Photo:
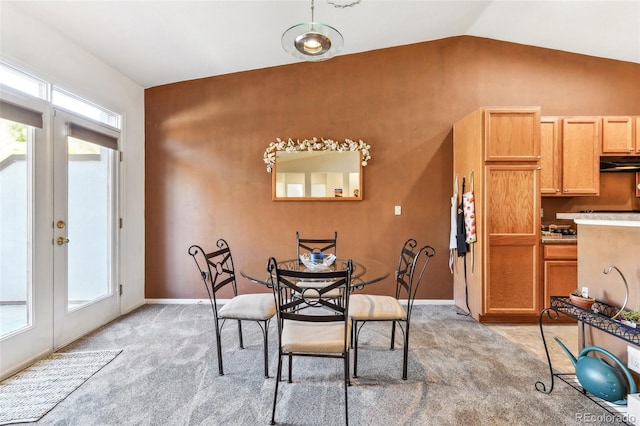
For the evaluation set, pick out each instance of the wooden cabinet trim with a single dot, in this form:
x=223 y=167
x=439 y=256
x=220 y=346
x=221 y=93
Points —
x=636 y=130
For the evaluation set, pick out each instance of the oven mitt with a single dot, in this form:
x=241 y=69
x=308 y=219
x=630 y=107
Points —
x=469 y=209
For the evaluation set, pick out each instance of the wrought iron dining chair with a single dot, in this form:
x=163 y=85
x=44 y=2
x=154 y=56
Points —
x=217 y=272
x=308 y=245
x=395 y=309
x=324 y=245
x=311 y=324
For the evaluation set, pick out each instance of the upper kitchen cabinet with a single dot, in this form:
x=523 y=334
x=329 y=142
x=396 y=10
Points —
x=620 y=136
x=581 y=156
x=551 y=156
x=512 y=134
x=569 y=165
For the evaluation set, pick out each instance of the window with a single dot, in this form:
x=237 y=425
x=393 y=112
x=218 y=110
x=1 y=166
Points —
x=23 y=82
x=85 y=108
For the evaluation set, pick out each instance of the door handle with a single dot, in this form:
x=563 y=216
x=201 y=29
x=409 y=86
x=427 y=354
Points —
x=62 y=241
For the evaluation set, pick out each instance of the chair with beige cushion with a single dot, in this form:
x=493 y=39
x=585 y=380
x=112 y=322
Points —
x=217 y=272
x=395 y=309
x=311 y=324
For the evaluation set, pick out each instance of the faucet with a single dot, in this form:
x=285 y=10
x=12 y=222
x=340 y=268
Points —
x=626 y=288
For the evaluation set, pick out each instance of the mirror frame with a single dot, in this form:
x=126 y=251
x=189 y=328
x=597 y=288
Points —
x=315 y=145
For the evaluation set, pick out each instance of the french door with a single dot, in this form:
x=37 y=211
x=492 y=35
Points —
x=85 y=219
x=26 y=286
x=59 y=233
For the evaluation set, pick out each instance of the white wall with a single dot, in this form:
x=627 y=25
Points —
x=31 y=47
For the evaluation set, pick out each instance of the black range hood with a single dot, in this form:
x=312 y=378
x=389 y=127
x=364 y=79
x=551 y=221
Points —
x=620 y=164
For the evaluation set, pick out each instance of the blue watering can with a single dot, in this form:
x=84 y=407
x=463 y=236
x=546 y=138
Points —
x=598 y=377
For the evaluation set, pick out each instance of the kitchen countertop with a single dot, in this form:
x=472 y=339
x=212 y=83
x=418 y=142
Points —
x=605 y=219
x=563 y=239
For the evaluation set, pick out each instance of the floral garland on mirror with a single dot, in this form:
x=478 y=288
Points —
x=314 y=144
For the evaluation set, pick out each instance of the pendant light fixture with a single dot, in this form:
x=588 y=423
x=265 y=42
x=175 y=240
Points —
x=312 y=41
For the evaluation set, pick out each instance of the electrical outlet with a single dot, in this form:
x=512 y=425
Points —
x=398 y=210
x=633 y=358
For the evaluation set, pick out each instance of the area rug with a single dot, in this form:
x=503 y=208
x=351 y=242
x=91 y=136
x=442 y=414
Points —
x=32 y=393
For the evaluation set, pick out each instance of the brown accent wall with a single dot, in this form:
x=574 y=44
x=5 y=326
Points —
x=205 y=138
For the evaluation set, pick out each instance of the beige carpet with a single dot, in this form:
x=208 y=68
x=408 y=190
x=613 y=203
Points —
x=32 y=393
x=460 y=373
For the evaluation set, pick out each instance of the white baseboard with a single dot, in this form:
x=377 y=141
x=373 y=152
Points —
x=180 y=301
x=433 y=302
x=200 y=301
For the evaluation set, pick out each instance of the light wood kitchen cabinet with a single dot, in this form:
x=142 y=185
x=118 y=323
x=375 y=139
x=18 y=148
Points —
x=550 y=156
x=619 y=136
x=569 y=164
x=581 y=156
x=512 y=135
x=512 y=226
x=560 y=270
x=502 y=281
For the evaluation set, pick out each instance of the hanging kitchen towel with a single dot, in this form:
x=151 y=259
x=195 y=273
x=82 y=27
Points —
x=461 y=234
x=469 y=207
x=453 y=233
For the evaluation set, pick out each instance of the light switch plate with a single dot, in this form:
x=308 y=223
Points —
x=633 y=358
x=398 y=210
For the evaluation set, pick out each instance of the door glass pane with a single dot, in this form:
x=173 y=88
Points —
x=90 y=222
x=15 y=232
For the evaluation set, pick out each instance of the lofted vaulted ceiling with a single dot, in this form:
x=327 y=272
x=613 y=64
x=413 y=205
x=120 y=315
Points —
x=159 y=42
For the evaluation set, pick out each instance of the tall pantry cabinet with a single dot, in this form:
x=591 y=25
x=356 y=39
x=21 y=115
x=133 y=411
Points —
x=501 y=148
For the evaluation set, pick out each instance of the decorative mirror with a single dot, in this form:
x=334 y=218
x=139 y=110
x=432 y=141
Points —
x=316 y=169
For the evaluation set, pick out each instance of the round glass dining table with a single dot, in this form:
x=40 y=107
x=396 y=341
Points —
x=365 y=271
